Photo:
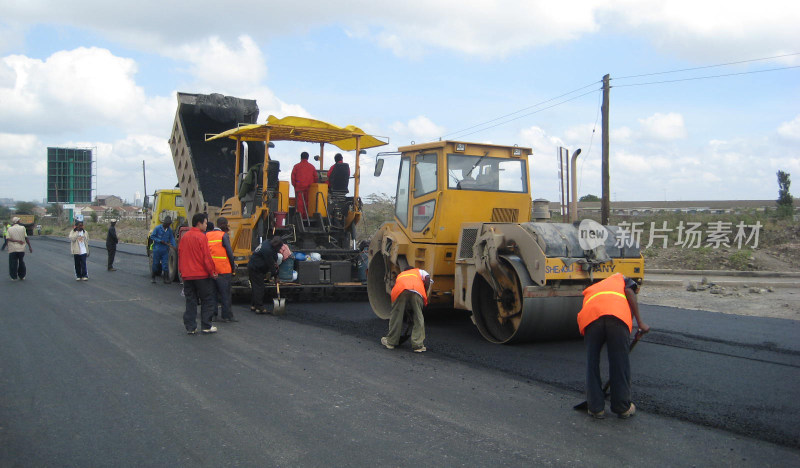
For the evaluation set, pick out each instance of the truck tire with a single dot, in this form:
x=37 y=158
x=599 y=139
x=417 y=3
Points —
x=172 y=263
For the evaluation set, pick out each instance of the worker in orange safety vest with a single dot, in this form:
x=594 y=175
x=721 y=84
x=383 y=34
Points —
x=219 y=243
x=609 y=307
x=409 y=291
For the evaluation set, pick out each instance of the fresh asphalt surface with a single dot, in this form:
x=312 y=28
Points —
x=101 y=373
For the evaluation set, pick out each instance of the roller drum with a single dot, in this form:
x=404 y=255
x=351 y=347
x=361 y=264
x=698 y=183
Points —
x=379 y=298
x=541 y=318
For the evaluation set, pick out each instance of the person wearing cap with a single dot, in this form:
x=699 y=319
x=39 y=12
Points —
x=111 y=244
x=162 y=238
x=609 y=307
x=303 y=175
x=410 y=291
x=339 y=175
x=79 y=247
x=17 y=237
x=219 y=243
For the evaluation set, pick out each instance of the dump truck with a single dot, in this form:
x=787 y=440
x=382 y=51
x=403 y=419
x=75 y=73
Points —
x=463 y=213
x=166 y=202
x=220 y=153
x=28 y=221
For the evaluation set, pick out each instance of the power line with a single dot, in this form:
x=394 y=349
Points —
x=709 y=66
x=706 y=77
x=482 y=126
x=526 y=115
x=517 y=112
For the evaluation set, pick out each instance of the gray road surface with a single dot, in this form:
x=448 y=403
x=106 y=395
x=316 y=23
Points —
x=101 y=373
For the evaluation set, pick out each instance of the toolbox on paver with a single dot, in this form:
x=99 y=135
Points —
x=340 y=271
x=307 y=272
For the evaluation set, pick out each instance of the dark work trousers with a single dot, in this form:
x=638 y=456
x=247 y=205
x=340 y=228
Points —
x=222 y=291
x=16 y=265
x=614 y=333
x=204 y=290
x=112 y=252
x=257 y=286
x=80 y=266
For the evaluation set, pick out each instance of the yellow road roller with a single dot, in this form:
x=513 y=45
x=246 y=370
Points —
x=463 y=213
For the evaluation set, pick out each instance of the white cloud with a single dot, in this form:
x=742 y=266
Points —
x=790 y=130
x=711 y=29
x=543 y=144
x=71 y=91
x=621 y=135
x=232 y=68
x=419 y=129
x=664 y=127
x=17 y=154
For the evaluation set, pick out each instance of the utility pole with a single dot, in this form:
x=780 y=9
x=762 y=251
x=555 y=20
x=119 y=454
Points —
x=605 y=205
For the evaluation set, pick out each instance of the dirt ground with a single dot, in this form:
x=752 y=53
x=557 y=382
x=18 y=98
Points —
x=776 y=302
x=782 y=255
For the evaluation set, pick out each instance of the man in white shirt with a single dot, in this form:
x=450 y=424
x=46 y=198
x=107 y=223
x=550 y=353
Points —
x=17 y=238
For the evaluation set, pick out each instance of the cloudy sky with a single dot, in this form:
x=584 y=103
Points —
x=719 y=125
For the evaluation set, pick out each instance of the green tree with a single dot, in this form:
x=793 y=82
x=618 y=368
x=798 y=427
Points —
x=5 y=212
x=24 y=207
x=589 y=198
x=378 y=208
x=93 y=216
x=785 y=200
x=56 y=210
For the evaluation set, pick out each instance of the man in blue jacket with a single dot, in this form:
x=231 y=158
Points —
x=162 y=238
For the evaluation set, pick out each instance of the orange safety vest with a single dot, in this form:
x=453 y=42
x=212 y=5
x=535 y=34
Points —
x=409 y=280
x=218 y=253
x=606 y=297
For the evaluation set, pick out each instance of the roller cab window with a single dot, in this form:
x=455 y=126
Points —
x=425 y=174
x=401 y=203
x=485 y=174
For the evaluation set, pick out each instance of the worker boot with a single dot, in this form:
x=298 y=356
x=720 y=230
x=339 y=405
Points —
x=166 y=278
x=153 y=278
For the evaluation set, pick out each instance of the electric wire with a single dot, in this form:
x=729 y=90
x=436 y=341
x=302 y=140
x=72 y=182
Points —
x=706 y=77
x=528 y=114
x=708 y=66
x=518 y=111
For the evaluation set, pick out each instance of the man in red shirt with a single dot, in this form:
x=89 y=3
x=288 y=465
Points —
x=198 y=272
x=303 y=175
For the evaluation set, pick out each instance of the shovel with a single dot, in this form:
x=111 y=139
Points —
x=278 y=305
x=585 y=405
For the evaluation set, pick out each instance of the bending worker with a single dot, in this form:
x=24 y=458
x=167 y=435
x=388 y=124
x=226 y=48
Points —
x=303 y=175
x=409 y=291
x=609 y=307
x=162 y=238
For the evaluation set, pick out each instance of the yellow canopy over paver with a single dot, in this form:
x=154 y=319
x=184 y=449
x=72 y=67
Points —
x=305 y=130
